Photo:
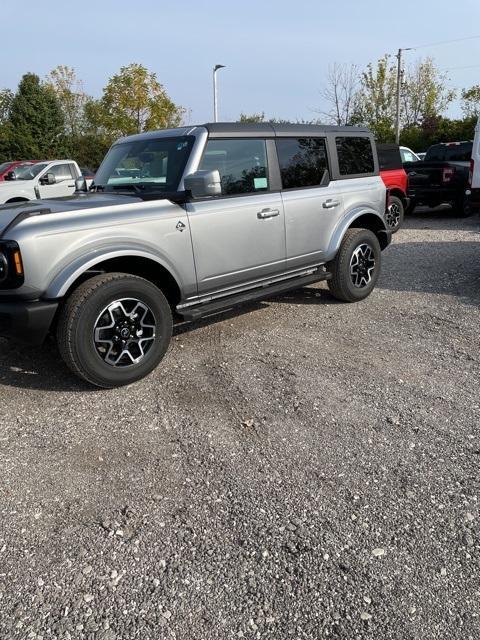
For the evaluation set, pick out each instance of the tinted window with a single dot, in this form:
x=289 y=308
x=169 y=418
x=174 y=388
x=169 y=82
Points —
x=242 y=164
x=61 y=172
x=303 y=161
x=355 y=156
x=389 y=157
x=450 y=152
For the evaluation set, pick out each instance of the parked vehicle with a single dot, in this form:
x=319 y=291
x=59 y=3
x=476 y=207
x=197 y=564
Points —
x=408 y=155
x=192 y=220
x=474 y=174
x=88 y=174
x=46 y=179
x=443 y=177
x=395 y=179
x=7 y=168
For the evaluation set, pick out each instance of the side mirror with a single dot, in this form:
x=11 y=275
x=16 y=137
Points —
x=11 y=175
x=203 y=183
x=81 y=184
x=48 y=178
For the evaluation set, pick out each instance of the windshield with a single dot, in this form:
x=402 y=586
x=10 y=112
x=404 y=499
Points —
x=456 y=152
x=30 y=171
x=4 y=166
x=153 y=164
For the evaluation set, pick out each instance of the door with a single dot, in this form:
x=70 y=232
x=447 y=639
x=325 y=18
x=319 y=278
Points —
x=238 y=237
x=64 y=181
x=312 y=202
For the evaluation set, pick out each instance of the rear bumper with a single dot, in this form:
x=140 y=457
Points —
x=435 y=195
x=28 y=321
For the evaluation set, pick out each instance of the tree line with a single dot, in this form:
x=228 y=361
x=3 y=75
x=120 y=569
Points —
x=55 y=117
x=355 y=97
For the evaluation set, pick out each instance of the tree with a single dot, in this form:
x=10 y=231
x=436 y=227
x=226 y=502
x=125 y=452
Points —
x=6 y=97
x=471 y=101
x=376 y=99
x=424 y=94
x=35 y=120
x=71 y=97
x=134 y=101
x=340 y=93
x=252 y=117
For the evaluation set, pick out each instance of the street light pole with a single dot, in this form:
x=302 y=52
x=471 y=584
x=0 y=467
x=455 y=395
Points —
x=215 y=97
x=399 y=89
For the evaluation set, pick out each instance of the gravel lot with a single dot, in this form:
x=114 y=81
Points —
x=299 y=469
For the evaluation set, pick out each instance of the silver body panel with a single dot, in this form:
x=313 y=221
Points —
x=223 y=244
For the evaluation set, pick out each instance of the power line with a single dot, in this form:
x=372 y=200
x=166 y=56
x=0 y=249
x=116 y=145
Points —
x=435 y=44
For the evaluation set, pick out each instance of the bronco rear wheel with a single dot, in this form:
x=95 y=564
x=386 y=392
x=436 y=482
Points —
x=356 y=267
x=114 y=329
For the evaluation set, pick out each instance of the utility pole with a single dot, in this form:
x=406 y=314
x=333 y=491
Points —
x=215 y=98
x=399 y=90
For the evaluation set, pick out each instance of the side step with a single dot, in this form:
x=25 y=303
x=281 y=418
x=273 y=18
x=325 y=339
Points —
x=218 y=306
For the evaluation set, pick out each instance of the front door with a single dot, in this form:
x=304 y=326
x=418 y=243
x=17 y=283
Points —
x=64 y=182
x=238 y=237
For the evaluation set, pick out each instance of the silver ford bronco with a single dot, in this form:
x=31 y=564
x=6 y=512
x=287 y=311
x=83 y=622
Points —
x=186 y=223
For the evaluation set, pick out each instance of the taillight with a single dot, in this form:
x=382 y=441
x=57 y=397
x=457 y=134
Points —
x=470 y=173
x=447 y=174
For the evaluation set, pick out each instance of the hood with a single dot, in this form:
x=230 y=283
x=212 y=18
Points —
x=9 y=212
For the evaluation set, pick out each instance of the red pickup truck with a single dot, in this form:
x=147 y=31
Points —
x=396 y=180
x=7 y=167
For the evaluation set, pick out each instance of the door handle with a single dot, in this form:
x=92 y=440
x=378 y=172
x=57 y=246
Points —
x=268 y=213
x=330 y=204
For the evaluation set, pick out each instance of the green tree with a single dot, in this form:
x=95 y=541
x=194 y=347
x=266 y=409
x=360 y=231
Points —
x=72 y=98
x=134 y=101
x=6 y=97
x=35 y=120
x=375 y=100
x=471 y=101
x=252 y=118
x=424 y=94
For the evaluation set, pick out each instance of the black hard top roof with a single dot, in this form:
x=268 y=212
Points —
x=262 y=129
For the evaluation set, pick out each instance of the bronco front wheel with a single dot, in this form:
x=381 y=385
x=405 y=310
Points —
x=114 y=329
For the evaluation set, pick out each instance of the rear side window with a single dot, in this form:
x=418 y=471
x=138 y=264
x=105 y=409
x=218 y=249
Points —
x=303 y=161
x=242 y=164
x=61 y=172
x=389 y=157
x=355 y=155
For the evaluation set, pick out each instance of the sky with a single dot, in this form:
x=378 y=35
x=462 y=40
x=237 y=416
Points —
x=277 y=54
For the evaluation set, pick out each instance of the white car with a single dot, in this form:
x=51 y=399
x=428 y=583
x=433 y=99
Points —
x=408 y=155
x=474 y=177
x=49 y=179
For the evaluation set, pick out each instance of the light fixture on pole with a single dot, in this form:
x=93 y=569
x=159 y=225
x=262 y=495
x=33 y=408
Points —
x=215 y=109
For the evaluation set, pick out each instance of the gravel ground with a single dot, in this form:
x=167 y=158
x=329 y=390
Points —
x=299 y=469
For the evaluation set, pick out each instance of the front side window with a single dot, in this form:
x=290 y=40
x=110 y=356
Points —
x=150 y=164
x=242 y=164
x=355 y=155
x=303 y=161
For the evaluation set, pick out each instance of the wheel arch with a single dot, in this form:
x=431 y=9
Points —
x=363 y=219
x=398 y=193
x=17 y=199
x=130 y=262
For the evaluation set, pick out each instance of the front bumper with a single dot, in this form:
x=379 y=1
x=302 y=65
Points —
x=28 y=321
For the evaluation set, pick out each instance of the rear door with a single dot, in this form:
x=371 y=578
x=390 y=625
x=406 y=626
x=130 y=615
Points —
x=357 y=166
x=238 y=237
x=65 y=174
x=312 y=201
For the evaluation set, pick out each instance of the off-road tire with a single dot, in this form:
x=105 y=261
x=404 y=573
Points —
x=341 y=284
x=462 y=207
x=77 y=321
x=399 y=214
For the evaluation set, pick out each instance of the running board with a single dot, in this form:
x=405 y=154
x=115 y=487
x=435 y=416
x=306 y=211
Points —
x=223 y=304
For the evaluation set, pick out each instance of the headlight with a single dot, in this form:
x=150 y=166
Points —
x=11 y=265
